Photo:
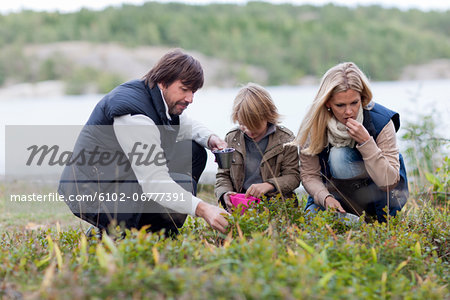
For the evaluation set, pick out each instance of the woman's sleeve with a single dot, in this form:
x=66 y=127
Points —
x=381 y=158
x=311 y=178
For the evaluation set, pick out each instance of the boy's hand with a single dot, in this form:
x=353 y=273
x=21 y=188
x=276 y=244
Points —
x=259 y=189
x=226 y=198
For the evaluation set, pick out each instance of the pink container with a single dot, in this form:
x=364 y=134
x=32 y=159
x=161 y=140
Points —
x=240 y=199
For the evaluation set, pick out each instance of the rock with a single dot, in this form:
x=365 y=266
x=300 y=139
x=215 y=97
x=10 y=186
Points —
x=133 y=63
x=435 y=69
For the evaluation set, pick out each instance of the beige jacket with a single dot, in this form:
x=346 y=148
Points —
x=381 y=159
x=279 y=165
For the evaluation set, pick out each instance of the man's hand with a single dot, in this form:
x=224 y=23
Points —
x=357 y=131
x=216 y=143
x=258 y=189
x=332 y=203
x=213 y=215
x=226 y=198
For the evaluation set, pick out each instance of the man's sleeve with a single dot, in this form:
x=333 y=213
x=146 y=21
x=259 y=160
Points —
x=195 y=130
x=132 y=130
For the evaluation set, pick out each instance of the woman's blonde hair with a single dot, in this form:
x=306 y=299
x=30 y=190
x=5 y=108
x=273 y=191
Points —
x=252 y=106
x=312 y=135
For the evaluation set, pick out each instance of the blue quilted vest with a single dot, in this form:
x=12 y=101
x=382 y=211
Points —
x=374 y=121
x=133 y=97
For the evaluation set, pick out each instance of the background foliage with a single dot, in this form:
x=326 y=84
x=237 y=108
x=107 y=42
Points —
x=286 y=40
x=427 y=159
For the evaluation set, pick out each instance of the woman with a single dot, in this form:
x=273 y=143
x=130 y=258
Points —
x=349 y=159
x=263 y=163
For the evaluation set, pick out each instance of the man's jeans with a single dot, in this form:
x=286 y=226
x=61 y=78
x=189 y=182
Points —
x=344 y=163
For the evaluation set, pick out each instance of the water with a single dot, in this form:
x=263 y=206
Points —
x=213 y=108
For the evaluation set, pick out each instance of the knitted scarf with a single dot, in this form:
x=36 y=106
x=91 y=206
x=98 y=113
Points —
x=337 y=132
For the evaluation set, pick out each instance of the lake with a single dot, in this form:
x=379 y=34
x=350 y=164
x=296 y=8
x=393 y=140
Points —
x=213 y=107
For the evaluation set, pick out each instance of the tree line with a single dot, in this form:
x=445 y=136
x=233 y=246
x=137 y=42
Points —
x=288 y=41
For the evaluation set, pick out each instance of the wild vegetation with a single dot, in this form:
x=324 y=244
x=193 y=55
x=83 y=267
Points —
x=287 y=41
x=427 y=157
x=271 y=252
x=274 y=250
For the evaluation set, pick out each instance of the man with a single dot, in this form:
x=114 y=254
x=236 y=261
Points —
x=134 y=154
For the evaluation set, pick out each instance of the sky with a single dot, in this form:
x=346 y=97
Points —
x=74 y=5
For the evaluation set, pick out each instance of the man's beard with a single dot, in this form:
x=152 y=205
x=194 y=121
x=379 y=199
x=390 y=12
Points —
x=173 y=110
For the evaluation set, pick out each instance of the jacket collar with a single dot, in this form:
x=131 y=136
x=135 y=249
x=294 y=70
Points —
x=161 y=107
x=274 y=145
x=270 y=129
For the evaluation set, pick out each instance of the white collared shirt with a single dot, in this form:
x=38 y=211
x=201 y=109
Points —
x=189 y=129
x=165 y=105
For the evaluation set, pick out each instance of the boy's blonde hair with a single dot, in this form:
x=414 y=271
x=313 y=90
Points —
x=252 y=106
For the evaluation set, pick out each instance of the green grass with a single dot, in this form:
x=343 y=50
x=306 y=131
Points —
x=272 y=251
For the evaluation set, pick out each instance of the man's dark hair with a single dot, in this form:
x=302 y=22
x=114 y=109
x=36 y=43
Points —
x=176 y=65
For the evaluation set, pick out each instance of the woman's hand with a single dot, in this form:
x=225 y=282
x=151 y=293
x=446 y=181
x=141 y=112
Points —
x=332 y=203
x=357 y=131
x=226 y=198
x=258 y=189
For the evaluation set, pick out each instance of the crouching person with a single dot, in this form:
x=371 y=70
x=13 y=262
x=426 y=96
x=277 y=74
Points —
x=138 y=158
x=349 y=159
x=265 y=162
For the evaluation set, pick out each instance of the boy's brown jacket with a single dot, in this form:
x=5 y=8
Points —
x=279 y=165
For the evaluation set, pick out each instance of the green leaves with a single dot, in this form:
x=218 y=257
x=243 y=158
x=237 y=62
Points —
x=305 y=246
x=283 y=42
x=274 y=250
x=427 y=160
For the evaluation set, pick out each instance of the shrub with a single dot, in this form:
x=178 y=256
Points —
x=272 y=251
x=426 y=154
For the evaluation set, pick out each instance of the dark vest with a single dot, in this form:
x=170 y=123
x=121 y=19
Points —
x=88 y=176
x=374 y=121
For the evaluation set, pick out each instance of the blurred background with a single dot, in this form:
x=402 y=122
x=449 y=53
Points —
x=58 y=58
x=90 y=49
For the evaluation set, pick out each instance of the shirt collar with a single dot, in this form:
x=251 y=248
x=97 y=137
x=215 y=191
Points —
x=271 y=128
x=165 y=105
